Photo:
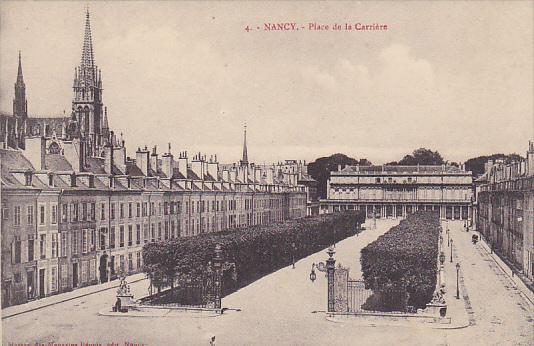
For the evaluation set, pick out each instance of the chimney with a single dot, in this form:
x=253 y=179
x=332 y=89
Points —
x=197 y=166
x=108 y=159
x=182 y=163
x=213 y=168
x=154 y=164
x=167 y=164
x=226 y=175
x=119 y=158
x=141 y=160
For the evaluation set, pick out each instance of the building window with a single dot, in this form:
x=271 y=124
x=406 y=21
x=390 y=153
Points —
x=138 y=234
x=121 y=210
x=166 y=230
x=16 y=216
x=112 y=216
x=92 y=269
x=130 y=262
x=144 y=208
x=31 y=249
x=84 y=241
x=130 y=234
x=92 y=211
x=65 y=212
x=102 y=238
x=130 y=213
x=103 y=211
x=122 y=262
x=145 y=233
x=84 y=211
x=30 y=215
x=159 y=230
x=138 y=255
x=75 y=242
x=42 y=245
x=54 y=245
x=63 y=244
x=54 y=214
x=138 y=210
x=152 y=232
x=74 y=212
x=152 y=209
x=93 y=239
x=121 y=236
x=112 y=238
x=41 y=214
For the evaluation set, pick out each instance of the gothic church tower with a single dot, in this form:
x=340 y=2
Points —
x=87 y=121
x=20 y=109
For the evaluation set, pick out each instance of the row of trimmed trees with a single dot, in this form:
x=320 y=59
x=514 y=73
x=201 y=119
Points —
x=401 y=265
x=256 y=251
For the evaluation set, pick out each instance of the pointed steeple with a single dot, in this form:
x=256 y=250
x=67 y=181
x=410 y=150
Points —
x=244 y=160
x=87 y=50
x=19 y=103
x=20 y=79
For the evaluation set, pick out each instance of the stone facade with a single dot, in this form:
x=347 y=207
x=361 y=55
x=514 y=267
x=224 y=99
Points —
x=505 y=211
x=395 y=191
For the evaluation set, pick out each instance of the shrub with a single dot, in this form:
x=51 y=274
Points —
x=255 y=250
x=404 y=258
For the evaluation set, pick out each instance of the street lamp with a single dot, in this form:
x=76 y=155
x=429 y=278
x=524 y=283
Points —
x=313 y=276
x=457 y=281
x=451 y=250
x=448 y=240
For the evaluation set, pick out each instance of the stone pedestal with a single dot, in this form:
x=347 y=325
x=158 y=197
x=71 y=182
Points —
x=436 y=309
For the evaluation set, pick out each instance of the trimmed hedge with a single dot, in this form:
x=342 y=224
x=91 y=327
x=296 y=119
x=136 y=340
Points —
x=256 y=250
x=404 y=258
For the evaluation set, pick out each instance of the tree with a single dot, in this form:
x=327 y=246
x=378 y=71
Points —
x=422 y=156
x=320 y=169
x=476 y=164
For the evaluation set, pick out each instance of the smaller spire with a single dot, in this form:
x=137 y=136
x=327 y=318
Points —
x=244 y=161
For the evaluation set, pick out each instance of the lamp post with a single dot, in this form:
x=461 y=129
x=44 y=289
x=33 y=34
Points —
x=457 y=281
x=451 y=250
x=329 y=269
x=448 y=239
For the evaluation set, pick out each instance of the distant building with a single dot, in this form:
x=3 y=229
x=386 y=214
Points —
x=395 y=191
x=505 y=210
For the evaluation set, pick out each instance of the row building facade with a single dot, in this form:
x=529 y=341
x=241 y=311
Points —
x=76 y=211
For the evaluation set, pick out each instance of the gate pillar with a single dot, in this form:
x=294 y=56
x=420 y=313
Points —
x=330 y=269
x=217 y=269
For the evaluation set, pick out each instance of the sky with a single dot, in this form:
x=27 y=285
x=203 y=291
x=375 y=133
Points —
x=456 y=77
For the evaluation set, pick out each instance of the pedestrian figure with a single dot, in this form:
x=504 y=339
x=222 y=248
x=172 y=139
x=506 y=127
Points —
x=212 y=341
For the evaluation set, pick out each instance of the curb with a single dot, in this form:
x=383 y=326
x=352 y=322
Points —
x=66 y=300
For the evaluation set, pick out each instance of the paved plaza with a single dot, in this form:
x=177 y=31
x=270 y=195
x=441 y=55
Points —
x=285 y=308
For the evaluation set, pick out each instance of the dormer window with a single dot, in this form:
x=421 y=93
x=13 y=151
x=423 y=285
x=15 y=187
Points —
x=50 y=180
x=28 y=178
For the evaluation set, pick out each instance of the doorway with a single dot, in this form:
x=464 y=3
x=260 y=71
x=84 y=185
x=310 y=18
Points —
x=103 y=268
x=41 y=283
x=74 y=275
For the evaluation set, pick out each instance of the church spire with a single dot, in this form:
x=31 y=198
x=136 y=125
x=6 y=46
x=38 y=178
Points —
x=19 y=103
x=20 y=79
x=244 y=161
x=87 y=50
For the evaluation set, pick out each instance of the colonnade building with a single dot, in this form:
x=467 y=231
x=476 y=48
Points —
x=396 y=191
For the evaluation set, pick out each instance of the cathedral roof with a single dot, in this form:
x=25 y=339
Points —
x=57 y=162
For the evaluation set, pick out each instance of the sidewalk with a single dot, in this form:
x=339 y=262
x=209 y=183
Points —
x=458 y=309
x=63 y=297
x=517 y=280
